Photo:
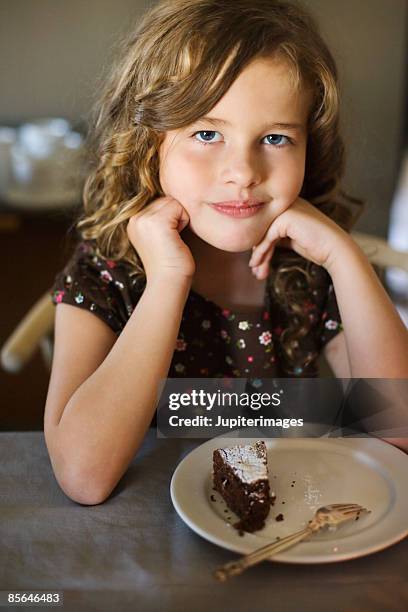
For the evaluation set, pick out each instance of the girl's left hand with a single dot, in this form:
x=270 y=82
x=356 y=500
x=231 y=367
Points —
x=306 y=230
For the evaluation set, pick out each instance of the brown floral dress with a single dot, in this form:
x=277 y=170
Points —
x=212 y=341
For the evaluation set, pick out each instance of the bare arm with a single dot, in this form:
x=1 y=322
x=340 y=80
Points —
x=103 y=393
x=375 y=337
x=335 y=353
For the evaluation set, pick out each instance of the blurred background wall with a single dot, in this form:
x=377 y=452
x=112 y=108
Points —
x=54 y=54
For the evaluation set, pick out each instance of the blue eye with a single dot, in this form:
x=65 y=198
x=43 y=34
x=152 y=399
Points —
x=278 y=140
x=206 y=135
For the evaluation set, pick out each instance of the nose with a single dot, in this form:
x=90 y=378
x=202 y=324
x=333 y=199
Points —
x=242 y=168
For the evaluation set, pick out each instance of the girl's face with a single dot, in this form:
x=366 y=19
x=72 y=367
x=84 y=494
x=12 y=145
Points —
x=251 y=145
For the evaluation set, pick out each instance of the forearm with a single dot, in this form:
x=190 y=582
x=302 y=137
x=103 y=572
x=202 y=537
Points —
x=376 y=338
x=106 y=419
x=401 y=443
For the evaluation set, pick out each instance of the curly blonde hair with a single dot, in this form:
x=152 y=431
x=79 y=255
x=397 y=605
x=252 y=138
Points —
x=178 y=63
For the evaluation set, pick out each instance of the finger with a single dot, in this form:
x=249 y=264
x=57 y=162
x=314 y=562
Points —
x=259 y=252
x=270 y=239
x=263 y=251
x=184 y=220
x=266 y=264
x=262 y=269
x=261 y=272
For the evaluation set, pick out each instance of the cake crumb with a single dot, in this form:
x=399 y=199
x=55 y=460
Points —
x=280 y=517
x=212 y=498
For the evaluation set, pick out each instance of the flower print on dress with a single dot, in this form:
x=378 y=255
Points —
x=106 y=276
x=58 y=295
x=241 y=344
x=85 y=248
x=331 y=325
x=244 y=325
x=179 y=367
x=120 y=285
x=111 y=264
x=68 y=281
x=181 y=344
x=206 y=324
x=265 y=338
x=308 y=306
x=225 y=336
x=79 y=298
x=229 y=360
x=228 y=314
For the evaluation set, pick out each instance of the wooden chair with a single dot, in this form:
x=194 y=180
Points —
x=34 y=331
x=36 y=328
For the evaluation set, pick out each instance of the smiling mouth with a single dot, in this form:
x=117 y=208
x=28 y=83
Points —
x=239 y=204
x=239 y=212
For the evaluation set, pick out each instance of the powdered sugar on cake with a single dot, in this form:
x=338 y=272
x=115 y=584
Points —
x=248 y=462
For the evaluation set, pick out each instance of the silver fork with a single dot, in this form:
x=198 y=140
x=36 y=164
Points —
x=327 y=516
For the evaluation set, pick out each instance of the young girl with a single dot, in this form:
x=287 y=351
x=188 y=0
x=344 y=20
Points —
x=213 y=242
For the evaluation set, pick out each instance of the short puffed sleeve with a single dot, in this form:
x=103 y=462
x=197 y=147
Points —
x=104 y=287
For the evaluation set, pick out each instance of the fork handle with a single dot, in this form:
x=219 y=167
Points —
x=233 y=568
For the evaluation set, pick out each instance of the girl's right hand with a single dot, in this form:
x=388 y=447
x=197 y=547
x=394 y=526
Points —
x=155 y=234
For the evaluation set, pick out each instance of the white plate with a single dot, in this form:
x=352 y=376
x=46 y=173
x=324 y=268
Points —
x=365 y=471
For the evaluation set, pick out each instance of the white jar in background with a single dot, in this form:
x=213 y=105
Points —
x=40 y=137
x=48 y=166
x=8 y=137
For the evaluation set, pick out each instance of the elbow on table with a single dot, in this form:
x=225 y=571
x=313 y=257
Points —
x=84 y=490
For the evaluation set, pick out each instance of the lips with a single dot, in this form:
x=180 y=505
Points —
x=239 y=203
x=239 y=210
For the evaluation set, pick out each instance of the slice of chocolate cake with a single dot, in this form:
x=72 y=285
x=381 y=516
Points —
x=241 y=476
